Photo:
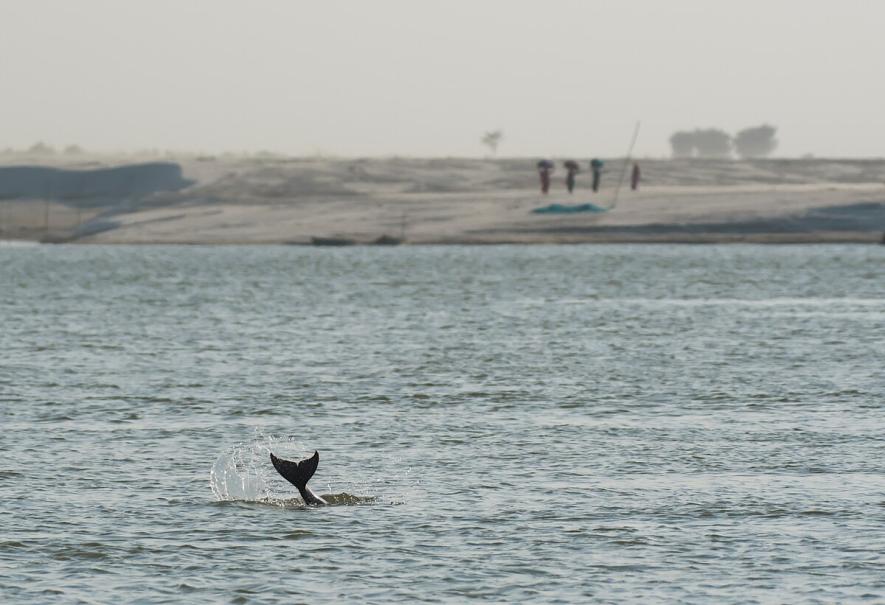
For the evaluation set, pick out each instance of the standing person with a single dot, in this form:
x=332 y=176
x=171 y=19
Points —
x=634 y=177
x=572 y=169
x=545 y=169
x=596 y=167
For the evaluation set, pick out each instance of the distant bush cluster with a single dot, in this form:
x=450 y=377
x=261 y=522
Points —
x=755 y=142
x=42 y=149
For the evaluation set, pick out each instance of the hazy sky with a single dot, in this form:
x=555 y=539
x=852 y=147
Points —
x=421 y=77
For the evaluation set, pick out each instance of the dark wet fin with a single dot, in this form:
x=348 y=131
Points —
x=297 y=473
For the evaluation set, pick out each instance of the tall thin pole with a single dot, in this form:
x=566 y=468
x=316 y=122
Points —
x=626 y=163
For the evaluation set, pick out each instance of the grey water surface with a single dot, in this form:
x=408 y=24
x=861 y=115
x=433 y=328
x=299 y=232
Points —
x=547 y=424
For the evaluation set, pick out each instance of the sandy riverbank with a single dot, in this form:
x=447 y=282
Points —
x=438 y=201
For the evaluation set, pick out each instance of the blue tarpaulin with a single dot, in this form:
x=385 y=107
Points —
x=569 y=209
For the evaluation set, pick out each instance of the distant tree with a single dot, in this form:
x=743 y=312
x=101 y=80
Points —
x=757 y=142
x=682 y=143
x=73 y=150
x=492 y=139
x=41 y=148
x=712 y=143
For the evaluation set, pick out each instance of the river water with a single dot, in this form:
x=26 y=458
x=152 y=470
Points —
x=695 y=424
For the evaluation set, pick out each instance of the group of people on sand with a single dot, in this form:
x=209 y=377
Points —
x=572 y=168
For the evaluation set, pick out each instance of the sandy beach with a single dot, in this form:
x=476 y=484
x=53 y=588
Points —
x=227 y=200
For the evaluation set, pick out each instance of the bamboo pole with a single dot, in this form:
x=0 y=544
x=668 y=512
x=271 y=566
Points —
x=624 y=167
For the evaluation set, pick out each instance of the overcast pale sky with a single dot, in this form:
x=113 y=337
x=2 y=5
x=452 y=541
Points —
x=421 y=77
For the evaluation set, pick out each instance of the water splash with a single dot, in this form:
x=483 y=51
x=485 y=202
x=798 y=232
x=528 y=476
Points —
x=244 y=472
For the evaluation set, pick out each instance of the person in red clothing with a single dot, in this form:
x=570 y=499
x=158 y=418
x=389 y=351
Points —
x=634 y=177
x=545 y=169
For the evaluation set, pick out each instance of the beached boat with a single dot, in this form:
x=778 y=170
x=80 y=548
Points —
x=331 y=241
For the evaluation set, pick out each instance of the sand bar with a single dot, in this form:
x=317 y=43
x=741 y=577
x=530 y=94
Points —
x=453 y=200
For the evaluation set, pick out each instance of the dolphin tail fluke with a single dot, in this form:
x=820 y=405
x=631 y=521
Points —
x=297 y=473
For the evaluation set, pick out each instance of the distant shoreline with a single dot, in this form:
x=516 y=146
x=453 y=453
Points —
x=805 y=239
x=439 y=201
